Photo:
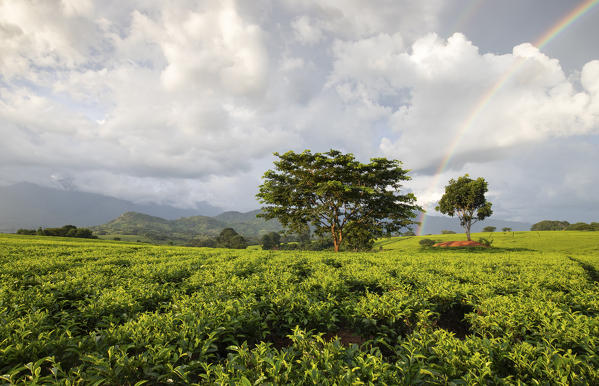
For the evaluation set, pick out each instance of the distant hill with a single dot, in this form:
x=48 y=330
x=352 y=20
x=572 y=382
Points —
x=435 y=224
x=247 y=223
x=26 y=205
x=187 y=228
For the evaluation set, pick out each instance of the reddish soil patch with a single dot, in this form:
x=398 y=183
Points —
x=464 y=243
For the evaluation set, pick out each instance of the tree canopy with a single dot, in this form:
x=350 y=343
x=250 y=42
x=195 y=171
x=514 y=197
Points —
x=64 y=231
x=465 y=198
x=550 y=225
x=228 y=238
x=331 y=191
x=554 y=225
x=271 y=240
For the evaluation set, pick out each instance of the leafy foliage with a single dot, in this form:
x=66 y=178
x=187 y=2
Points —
x=426 y=242
x=228 y=238
x=486 y=242
x=489 y=229
x=358 y=238
x=64 y=231
x=99 y=312
x=332 y=191
x=465 y=198
x=271 y=240
x=549 y=225
x=581 y=226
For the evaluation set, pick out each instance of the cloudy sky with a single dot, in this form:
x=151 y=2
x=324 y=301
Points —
x=186 y=102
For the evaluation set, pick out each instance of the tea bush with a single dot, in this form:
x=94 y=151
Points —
x=103 y=312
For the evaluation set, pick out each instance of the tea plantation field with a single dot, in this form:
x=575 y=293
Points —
x=78 y=311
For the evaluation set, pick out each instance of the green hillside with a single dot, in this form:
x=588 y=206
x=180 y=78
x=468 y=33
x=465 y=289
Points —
x=565 y=242
x=248 y=224
x=185 y=229
x=104 y=312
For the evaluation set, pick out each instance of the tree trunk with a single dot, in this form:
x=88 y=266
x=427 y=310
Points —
x=467 y=227
x=335 y=240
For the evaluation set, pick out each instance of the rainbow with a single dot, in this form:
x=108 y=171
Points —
x=547 y=37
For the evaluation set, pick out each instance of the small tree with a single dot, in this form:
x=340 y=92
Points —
x=506 y=229
x=271 y=240
x=489 y=229
x=228 y=238
x=465 y=198
x=331 y=190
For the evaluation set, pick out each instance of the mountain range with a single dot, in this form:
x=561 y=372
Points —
x=185 y=229
x=26 y=205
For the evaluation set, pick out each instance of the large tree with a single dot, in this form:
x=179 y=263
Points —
x=465 y=198
x=331 y=190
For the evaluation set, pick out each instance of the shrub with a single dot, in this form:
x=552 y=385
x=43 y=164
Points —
x=426 y=242
x=26 y=232
x=489 y=229
x=447 y=232
x=485 y=242
x=271 y=240
x=289 y=246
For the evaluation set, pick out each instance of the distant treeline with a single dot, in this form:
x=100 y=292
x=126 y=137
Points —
x=228 y=238
x=551 y=225
x=65 y=231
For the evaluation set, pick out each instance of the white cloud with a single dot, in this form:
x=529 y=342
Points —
x=170 y=93
x=44 y=35
x=305 y=31
x=353 y=19
x=186 y=102
x=212 y=49
x=456 y=94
